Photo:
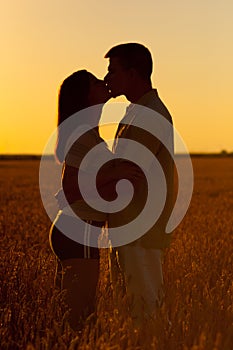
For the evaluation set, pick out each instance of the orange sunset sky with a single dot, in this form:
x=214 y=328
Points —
x=44 y=41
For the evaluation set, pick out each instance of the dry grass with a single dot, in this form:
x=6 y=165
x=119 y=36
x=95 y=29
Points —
x=197 y=269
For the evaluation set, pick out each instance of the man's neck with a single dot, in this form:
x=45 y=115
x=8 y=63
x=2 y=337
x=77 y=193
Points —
x=138 y=91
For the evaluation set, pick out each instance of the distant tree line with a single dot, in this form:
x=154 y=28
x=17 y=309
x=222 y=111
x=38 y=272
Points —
x=222 y=154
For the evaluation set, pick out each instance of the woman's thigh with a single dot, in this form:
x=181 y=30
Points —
x=65 y=248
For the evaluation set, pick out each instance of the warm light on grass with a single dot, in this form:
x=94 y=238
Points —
x=197 y=313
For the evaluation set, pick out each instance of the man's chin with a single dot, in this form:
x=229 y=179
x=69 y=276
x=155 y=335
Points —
x=115 y=95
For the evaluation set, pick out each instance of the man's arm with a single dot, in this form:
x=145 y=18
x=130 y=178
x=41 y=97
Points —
x=105 y=182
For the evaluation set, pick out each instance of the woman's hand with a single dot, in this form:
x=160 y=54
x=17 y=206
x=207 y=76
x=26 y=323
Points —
x=128 y=170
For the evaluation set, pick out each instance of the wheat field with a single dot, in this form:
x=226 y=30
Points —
x=197 y=312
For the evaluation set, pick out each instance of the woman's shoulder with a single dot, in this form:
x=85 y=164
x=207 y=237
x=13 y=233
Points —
x=84 y=136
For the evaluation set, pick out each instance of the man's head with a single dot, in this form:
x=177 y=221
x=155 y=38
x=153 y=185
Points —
x=130 y=68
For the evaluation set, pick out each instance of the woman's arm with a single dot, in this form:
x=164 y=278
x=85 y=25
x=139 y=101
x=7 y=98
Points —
x=106 y=180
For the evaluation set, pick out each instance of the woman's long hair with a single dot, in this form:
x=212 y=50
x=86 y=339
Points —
x=73 y=97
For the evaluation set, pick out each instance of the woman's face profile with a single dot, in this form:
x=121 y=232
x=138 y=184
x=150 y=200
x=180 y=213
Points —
x=98 y=91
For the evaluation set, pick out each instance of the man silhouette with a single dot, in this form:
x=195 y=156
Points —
x=129 y=74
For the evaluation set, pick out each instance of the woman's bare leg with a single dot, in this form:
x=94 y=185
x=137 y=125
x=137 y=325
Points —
x=80 y=279
x=58 y=274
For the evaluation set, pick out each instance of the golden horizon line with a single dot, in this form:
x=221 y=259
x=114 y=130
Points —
x=222 y=152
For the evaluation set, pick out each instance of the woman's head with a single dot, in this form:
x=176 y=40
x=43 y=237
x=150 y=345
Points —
x=73 y=95
x=78 y=91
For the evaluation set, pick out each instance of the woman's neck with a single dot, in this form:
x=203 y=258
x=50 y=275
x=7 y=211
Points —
x=93 y=115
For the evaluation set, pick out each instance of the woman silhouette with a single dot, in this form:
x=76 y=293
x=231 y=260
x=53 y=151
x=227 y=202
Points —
x=78 y=264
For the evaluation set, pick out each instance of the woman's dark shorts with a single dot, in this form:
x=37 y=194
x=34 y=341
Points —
x=65 y=248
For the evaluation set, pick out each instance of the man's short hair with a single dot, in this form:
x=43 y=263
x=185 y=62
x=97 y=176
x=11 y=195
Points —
x=133 y=55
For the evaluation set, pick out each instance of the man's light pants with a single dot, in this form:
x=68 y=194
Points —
x=144 y=279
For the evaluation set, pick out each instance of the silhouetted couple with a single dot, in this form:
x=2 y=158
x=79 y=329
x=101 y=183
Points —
x=140 y=258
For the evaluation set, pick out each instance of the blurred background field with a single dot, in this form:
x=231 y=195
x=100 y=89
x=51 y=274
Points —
x=198 y=309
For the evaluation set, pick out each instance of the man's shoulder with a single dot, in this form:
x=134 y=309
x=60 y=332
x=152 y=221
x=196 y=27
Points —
x=155 y=103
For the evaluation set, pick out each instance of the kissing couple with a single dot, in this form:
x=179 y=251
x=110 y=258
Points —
x=139 y=249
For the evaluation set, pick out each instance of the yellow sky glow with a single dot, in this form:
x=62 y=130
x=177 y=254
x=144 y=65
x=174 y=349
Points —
x=42 y=42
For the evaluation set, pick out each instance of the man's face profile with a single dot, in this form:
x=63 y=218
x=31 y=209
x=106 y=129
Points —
x=117 y=77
